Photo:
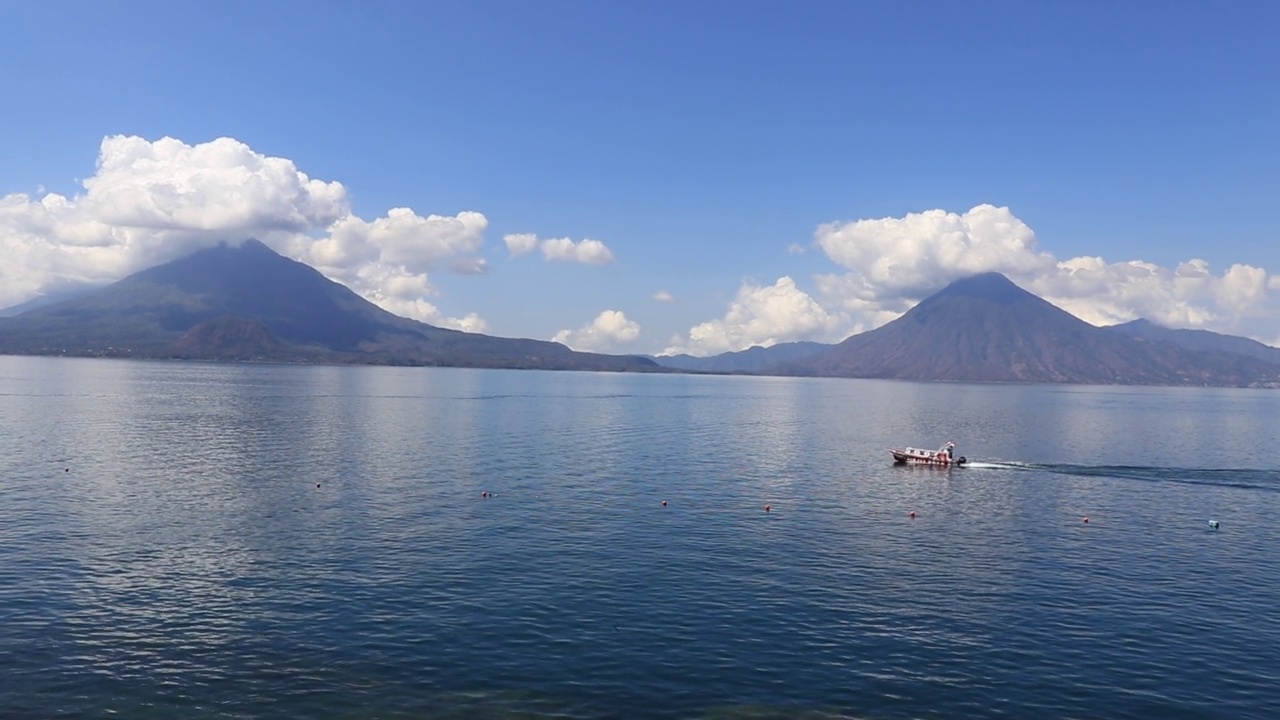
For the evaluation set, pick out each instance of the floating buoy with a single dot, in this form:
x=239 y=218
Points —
x=484 y=493
x=1213 y=524
x=664 y=503
x=317 y=484
x=767 y=508
x=66 y=469
x=1086 y=521
x=912 y=514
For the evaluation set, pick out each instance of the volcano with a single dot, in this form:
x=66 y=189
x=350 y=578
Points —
x=246 y=302
x=985 y=328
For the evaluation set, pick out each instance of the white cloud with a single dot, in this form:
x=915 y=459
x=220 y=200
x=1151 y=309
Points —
x=420 y=309
x=402 y=240
x=150 y=202
x=921 y=252
x=610 y=329
x=471 y=323
x=664 y=296
x=388 y=261
x=795 y=249
x=763 y=315
x=169 y=185
x=1189 y=295
x=404 y=294
x=418 y=244
x=590 y=252
x=520 y=243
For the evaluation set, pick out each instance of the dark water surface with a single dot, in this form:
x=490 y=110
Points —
x=238 y=541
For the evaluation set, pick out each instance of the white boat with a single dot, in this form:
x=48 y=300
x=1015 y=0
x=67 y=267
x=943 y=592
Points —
x=944 y=456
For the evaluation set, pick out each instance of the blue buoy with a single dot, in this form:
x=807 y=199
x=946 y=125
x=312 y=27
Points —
x=1213 y=524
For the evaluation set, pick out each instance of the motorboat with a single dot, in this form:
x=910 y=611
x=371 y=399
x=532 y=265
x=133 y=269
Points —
x=944 y=456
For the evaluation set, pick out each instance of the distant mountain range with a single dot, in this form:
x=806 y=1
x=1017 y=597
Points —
x=248 y=303
x=752 y=360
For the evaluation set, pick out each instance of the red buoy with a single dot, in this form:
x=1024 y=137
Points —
x=913 y=514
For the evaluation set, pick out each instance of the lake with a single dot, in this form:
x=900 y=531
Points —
x=258 y=541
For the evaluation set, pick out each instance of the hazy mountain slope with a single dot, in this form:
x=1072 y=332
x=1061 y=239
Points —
x=750 y=360
x=43 y=300
x=1204 y=340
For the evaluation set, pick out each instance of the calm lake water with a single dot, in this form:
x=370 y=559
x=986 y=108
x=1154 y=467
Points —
x=247 y=541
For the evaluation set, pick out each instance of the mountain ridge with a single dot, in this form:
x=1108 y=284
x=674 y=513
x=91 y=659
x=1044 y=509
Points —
x=753 y=359
x=247 y=302
x=1199 y=339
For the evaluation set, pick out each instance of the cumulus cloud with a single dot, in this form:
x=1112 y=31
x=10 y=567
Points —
x=221 y=184
x=664 y=296
x=609 y=330
x=152 y=201
x=765 y=316
x=402 y=238
x=471 y=323
x=1187 y=296
x=921 y=252
x=520 y=243
x=389 y=260
x=588 y=252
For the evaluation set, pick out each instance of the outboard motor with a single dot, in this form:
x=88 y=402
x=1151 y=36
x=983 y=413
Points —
x=961 y=461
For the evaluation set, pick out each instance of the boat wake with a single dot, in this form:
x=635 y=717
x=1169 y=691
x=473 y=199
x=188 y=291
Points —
x=1244 y=478
x=980 y=465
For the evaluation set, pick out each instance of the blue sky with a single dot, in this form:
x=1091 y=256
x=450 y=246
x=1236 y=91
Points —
x=704 y=145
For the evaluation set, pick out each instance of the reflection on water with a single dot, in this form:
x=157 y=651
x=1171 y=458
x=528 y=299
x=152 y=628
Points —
x=264 y=541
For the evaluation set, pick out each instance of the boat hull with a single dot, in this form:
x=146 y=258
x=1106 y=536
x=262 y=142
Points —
x=928 y=458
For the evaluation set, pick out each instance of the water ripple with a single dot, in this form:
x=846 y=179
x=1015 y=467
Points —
x=241 y=542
